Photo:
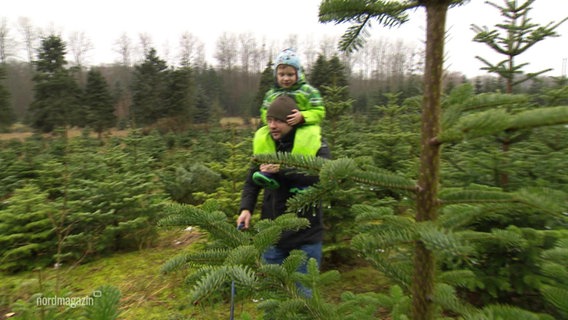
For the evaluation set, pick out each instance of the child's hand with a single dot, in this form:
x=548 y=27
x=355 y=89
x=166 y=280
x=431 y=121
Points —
x=295 y=118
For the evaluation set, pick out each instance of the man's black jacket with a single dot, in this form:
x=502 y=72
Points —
x=274 y=200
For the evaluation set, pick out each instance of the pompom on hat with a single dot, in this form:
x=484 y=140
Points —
x=288 y=57
x=281 y=107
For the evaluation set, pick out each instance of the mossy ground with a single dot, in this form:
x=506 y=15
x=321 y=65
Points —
x=146 y=293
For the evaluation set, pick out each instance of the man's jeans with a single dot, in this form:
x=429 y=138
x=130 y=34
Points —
x=275 y=255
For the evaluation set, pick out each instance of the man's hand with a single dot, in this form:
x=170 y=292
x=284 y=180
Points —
x=295 y=118
x=244 y=218
x=269 y=168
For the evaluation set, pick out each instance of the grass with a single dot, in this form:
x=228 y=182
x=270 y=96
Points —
x=146 y=293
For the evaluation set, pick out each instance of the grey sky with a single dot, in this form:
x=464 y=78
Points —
x=103 y=21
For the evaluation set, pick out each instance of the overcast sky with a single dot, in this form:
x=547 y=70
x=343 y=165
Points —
x=104 y=21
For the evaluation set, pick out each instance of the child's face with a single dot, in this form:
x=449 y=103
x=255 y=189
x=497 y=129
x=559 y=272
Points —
x=286 y=76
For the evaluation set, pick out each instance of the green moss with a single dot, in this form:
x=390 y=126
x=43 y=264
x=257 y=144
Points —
x=146 y=293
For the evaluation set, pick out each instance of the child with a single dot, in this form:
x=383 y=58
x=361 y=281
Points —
x=289 y=80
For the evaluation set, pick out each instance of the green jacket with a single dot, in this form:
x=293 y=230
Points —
x=307 y=141
x=306 y=96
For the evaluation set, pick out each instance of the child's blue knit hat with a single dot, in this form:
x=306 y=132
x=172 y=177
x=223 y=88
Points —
x=290 y=58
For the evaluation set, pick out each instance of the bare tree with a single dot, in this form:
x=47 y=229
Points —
x=192 y=50
x=199 y=57
x=309 y=51
x=166 y=50
x=123 y=46
x=291 y=42
x=226 y=51
x=248 y=47
x=30 y=36
x=146 y=44
x=6 y=43
x=328 y=46
x=261 y=56
x=79 y=45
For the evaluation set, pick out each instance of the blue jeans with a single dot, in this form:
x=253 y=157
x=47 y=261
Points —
x=274 y=255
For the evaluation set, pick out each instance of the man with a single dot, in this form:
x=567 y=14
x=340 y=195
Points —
x=281 y=184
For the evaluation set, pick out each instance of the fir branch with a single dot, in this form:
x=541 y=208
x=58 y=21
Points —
x=398 y=272
x=203 y=257
x=542 y=198
x=378 y=177
x=309 y=196
x=212 y=282
x=446 y=296
x=556 y=296
x=489 y=101
x=175 y=263
x=367 y=213
x=294 y=261
x=269 y=230
x=460 y=278
x=242 y=255
x=457 y=216
x=556 y=271
x=442 y=242
x=464 y=196
x=475 y=126
x=559 y=253
x=382 y=240
x=214 y=222
x=539 y=118
x=242 y=275
x=304 y=162
x=501 y=312
x=267 y=237
x=274 y=273
x=106 y=304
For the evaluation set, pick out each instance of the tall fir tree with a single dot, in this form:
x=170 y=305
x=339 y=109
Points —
x=56 y=99
x=519 y=34
x=6 y=112
x=26 y=231
x=149 y=102
x=319 y=74
x=99 y=103
x=329 y=73
x=512 y=38
x=181 y=99
x=266 y=82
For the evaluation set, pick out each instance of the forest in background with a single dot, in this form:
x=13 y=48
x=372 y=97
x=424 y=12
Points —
x=499 y=239
x=230 y=87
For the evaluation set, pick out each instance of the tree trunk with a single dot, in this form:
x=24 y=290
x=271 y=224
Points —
x=427 y=196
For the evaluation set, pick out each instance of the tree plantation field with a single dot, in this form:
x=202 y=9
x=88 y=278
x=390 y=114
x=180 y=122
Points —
x=145 y=291
x=442 y=199
x=72 y=133
x=109 y=212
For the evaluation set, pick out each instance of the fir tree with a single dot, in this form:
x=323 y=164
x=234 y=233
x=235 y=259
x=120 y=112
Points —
x=266 y=82
x=149 y=90
x=56 y=101
x=99 y=103
x=232 y=170
x=329 y=73
x=518 y=35
x=320 y=73
x=6 y=111
x=428 y=198
x=26 y=232
x=182 y=96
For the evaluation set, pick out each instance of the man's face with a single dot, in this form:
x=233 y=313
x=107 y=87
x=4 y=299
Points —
x=278 y=128
x=286 y=76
